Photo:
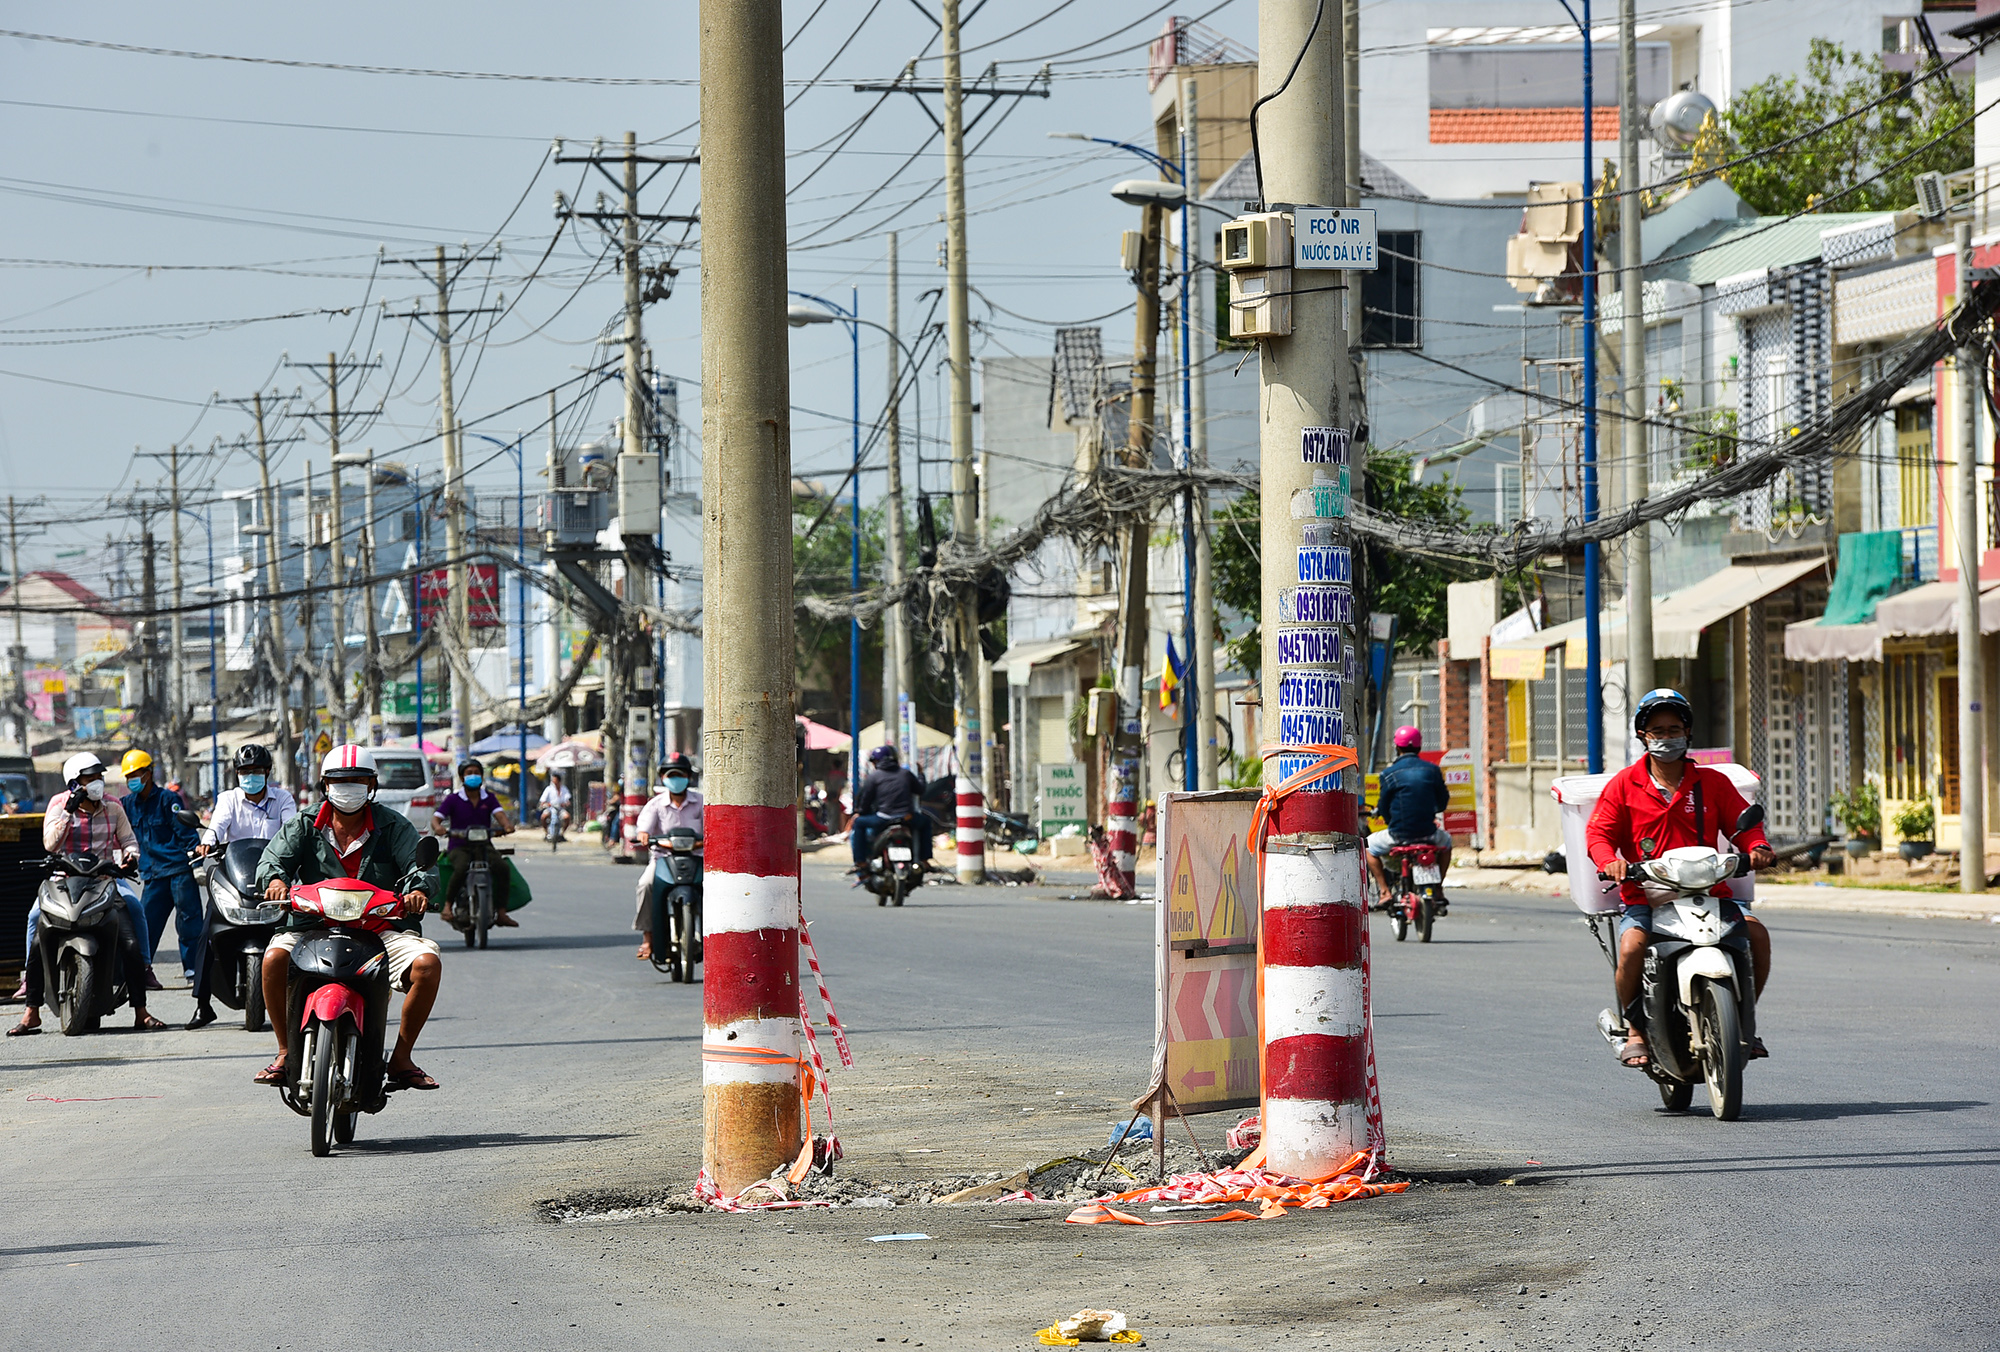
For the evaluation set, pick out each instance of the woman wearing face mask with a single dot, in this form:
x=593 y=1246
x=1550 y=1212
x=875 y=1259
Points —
x=1660 y=802
x=676 y=804
x=82 y=820
x=474 y=805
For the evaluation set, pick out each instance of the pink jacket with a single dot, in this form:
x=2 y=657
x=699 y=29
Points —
x=69 y=832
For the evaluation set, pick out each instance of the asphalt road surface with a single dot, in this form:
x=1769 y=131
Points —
x=156 y=1197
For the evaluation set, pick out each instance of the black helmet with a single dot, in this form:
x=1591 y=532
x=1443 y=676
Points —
x=1663 y=698
x=251 y=758
x=678 y=761
x=882 y=756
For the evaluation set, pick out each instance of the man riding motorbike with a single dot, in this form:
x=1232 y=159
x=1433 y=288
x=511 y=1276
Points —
x=555 y=799
x=350 y=837
x=1660 y=802
x=474 y=805
x=889 y=794
x=676 y=804
x=254 y=810
x=1411 y=794
x=81 y=820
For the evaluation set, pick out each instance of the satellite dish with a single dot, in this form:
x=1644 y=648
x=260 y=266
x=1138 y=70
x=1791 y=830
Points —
x=1677 y=119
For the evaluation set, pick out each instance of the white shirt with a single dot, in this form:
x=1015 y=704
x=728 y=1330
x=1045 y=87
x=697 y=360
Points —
x=660 y=816
x=555 y=795
x=236 y=817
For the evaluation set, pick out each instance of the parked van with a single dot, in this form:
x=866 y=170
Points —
x=405 y=784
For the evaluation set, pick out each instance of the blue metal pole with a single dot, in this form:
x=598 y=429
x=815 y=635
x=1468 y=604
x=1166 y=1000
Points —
x=854 y=625
x=521 y=607
x=1593 y=642
x=1192 y=714
x=417 y=622
x=214 y=719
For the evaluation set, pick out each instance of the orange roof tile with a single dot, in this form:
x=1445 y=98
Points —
x=1493 y=126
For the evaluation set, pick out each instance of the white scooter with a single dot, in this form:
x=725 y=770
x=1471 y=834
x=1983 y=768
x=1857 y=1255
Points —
x=1697 y=1004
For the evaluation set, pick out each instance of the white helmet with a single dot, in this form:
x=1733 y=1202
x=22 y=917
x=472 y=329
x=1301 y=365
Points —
x=82 y=763
x=348 y=761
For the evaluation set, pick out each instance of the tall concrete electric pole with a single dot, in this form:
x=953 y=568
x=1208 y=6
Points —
x=1971 y=658
x=750 y=994
x=1632 y=370
x=336 y=554
x=1315 y=1012
x=17 y=656
x=1201 y=292
x=899 y=711
x=458 y=627
x=969 y=731
x=273 y=584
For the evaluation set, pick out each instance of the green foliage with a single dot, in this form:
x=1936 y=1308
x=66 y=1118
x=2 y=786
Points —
x=1411 y=587
x=1859 y=810
x=1836 y=81
x=1241 y=772
x=1915 y=820
x=822 y=566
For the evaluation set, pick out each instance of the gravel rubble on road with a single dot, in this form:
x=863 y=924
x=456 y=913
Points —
x=1067 y=1178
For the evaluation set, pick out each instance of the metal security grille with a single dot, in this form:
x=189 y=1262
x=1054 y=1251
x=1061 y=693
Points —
x=1785 y=741
x=1871 y=729
x=1759 y=652
x=1543 y=703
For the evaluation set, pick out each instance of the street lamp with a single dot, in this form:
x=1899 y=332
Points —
x=520 y=601
x=214 y=721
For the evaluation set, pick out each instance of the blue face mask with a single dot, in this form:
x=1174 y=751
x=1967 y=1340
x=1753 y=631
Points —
x=677 y=783
x=135 y=783
x=474 y=781
x=253 y=784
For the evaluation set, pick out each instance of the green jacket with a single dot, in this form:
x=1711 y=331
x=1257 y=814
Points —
x=299 y=853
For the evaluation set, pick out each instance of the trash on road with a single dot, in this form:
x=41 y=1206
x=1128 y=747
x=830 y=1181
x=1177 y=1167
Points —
x=879 y=1239
x=1089 y=1326
x=1276 y=1193
x=1247 y=1134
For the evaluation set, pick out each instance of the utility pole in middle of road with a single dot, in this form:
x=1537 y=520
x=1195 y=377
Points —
x=1632 y=358
x=899 y=713
x=173 y=737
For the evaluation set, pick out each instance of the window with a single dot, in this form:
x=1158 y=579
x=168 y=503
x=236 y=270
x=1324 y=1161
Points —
x=1916 y=480
x=1576 y=727
x=1543 y=701
x=400 y=773
x=1392 y=295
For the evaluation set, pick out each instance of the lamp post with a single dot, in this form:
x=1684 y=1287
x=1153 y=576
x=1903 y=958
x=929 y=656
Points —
x=1593 y=685
x=799 y=316
x=514 y=448
x=214 y=720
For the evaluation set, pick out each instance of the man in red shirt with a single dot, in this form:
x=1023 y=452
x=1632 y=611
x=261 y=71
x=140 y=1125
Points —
x=1660 y=802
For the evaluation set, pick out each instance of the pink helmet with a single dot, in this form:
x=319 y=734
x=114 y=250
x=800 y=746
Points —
x=1409 y=738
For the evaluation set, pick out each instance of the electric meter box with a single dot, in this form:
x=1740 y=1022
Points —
x=1260 y=303
x=639 y=493
x=1130 y=245
x=1260 y=241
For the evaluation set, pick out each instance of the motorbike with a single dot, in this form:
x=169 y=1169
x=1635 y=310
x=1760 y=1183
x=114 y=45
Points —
x=893 y=870
x=473 y=915
x=81 y=939
x=1416 y=891
x=676 y=891
x=337 y=1001
x=1697 y=1005
x=553 y=819
x=237 y=925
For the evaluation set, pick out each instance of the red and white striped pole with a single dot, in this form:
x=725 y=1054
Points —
x=1122 y=819
x=751 y=1072
x=971 y=833
x=1315 y=1014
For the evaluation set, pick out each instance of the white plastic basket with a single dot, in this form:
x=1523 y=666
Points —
x=1578 y=795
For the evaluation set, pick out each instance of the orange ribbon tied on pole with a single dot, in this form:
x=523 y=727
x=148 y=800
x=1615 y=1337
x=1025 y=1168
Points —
x=1330 y=758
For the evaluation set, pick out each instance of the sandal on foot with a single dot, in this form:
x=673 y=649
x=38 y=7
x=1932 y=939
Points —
x=146 y=1023
x=271 y=1074
x=1757 y=1048
x=1633 y=1054
x=24 y=1029
x=504 y=921
x=413 y=1078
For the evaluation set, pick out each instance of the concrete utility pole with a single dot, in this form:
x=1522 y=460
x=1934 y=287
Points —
x=273 y=584
x=750 y=994
x=458 y=628
x=1314 y=1011
x=309 y=584
x=17 y=656
x=1632 y=361
x=899 y=711
x=1128 y=744
x=625 y=755
x=969 y=719
x=1350 y=69
x=336 y=555
x=1201 y=293
x=1971 y=658
x=176 y=671
x=366 y=461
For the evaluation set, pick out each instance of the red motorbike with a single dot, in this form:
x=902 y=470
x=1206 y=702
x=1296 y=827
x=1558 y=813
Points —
x=337 y=998
x=1416 y=890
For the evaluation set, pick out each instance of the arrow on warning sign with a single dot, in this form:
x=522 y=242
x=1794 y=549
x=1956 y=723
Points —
x=1198 y=1079
x=1191 y=1007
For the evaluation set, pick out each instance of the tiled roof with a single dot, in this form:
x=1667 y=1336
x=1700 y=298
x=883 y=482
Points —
x=1499 y=126
x=1728 y=247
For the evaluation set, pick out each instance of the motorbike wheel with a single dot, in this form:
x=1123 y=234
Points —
x=881 y=896
x=1722 y=1051
x=1399 y=920
x=1676 y=1095
x=325 y=1050
x=1424 y=918
x=253 y=994
x=76 y=995
x=350 y=1056
x=683 y=944
x=896 y=889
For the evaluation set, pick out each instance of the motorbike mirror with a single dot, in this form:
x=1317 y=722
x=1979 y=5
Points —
x=1752 y=816
x=427 y=852
x=186 y=818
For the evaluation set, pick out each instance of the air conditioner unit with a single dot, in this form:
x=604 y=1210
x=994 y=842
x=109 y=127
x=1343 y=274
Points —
x=1933 y=198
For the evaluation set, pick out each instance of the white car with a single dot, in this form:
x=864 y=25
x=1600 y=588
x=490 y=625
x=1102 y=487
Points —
x=404 y=780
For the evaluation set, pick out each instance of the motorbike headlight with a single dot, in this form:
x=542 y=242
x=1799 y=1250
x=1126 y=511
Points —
x=343 y=903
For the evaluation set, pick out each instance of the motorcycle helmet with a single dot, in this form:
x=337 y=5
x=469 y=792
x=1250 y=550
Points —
x=347 y=763
x=882 y=757
x=1409 y=738
x=251 y=758
x=678 y=763
x=82 y=763
x=1663 y=698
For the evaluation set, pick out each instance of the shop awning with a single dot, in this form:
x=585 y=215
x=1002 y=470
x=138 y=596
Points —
x=1678 y=618
x=1933 y=609
x=1022 y=658
x=1816 y=641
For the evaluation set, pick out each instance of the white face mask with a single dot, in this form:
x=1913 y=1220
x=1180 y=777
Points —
x=94 y=790
x=347 y=797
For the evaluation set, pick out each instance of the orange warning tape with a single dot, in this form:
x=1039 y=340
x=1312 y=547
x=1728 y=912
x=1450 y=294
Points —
x=1331 y=758
x=1274 y=1193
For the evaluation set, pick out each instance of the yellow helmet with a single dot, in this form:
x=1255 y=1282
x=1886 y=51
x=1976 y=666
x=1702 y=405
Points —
x=135 y=761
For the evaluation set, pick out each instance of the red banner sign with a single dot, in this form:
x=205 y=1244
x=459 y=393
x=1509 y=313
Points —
x=482 y=585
